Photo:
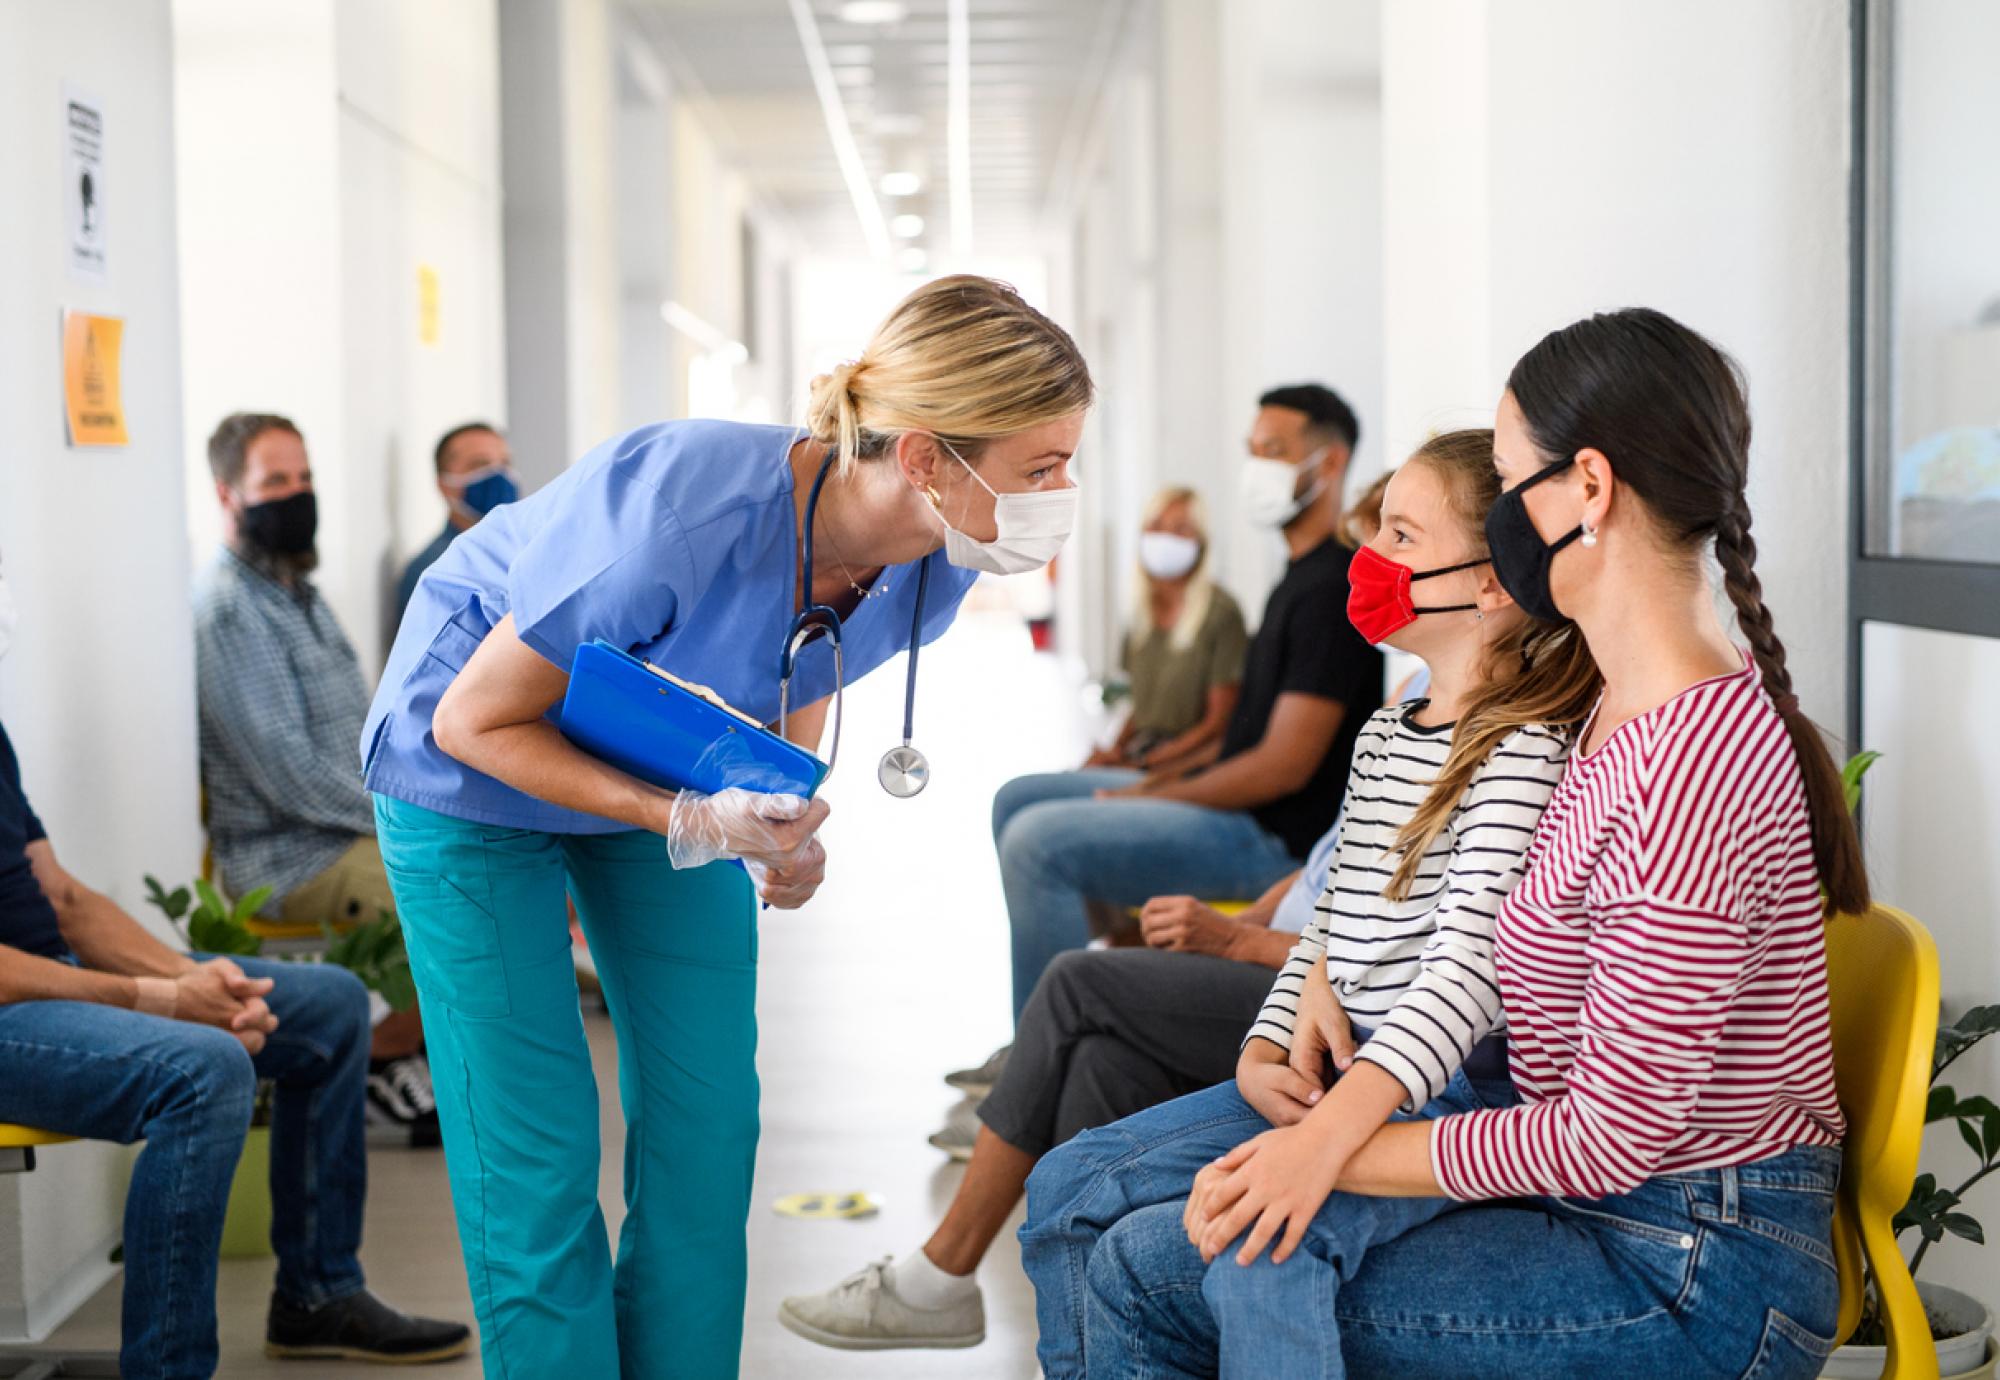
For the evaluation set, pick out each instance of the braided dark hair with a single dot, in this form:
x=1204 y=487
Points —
x=1669 y=410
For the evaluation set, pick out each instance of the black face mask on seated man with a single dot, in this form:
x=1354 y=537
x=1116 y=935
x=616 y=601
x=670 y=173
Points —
x=283 y=526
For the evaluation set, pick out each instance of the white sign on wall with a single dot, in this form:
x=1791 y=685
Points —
x=83 y=189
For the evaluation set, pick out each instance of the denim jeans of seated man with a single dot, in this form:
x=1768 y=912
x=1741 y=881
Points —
x=1691 y=1276
x=1060 y=847
x=106 y=1073
x=1083 y=1189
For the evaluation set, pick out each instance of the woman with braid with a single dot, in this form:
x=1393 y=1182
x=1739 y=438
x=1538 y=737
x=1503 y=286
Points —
x=1659 y=1203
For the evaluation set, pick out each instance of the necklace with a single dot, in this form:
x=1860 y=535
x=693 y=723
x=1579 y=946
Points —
x=881 y=586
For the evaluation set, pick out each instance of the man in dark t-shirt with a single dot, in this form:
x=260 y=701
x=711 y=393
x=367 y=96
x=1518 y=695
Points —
x=107 y=1033
x=1236 y=825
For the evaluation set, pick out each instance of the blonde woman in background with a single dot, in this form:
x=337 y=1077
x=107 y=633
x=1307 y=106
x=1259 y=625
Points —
x=946 y=448
x=1184 y=651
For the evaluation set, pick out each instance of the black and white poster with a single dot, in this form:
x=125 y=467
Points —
x=83 y=167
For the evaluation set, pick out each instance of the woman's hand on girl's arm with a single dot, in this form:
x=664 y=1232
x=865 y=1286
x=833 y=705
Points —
x=1277 y=1182
x=1279 y=1093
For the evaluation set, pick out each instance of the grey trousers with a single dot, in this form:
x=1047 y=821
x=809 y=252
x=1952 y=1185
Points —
x=1111 y=1032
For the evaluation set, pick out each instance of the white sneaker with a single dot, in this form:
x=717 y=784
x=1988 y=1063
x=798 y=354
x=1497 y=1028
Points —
x=864 y=1313
x=959 y=1133
x=977 y=1082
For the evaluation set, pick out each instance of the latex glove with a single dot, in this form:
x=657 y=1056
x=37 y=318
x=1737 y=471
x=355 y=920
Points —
x=788 y=886
x=740 y=824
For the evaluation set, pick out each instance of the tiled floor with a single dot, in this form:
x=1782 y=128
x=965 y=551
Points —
x=895 y=973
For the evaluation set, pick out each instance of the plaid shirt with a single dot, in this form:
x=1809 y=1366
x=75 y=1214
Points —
x=282 y=702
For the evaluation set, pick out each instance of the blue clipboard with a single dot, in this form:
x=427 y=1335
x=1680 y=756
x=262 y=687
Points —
x=644 y=722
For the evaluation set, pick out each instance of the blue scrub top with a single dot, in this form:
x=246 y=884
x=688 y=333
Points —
x=677 y=542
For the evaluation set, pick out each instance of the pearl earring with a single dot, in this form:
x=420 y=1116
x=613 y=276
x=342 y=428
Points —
x=1589 y=535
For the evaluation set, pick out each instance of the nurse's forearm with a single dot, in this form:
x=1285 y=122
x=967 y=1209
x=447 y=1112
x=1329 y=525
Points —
x=535 y=758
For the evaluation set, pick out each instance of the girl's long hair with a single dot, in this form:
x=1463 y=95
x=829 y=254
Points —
x=1536 y=673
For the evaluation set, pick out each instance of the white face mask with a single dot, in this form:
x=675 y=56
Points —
x=1168 y=555
x=1030 y=528
x=10 y=616
x=1270 y=489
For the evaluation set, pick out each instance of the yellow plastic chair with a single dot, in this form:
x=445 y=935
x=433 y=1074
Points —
x=17 y=1146
x=17 y=1156
x=1882 y=973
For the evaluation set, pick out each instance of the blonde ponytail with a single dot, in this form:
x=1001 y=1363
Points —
x=963 y=358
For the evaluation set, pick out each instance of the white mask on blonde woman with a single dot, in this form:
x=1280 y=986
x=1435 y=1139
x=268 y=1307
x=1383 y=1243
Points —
x=1029 y=528
x=1168 y=555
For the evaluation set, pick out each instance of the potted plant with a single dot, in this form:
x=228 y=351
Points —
x=209 y=923
x=1961 y=1326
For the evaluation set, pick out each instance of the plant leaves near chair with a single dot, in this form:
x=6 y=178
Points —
x=1958 y=1224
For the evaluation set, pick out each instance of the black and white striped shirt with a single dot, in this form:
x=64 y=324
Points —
x=1419 y=971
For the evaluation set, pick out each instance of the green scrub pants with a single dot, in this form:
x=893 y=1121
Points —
x=483 y=916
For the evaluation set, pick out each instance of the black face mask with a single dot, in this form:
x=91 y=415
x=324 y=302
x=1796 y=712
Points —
x=283 y=526
x=1521 y=559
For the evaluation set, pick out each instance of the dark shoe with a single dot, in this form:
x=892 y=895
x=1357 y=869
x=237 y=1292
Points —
x=359 y=1327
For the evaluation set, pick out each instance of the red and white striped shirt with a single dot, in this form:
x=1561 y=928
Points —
x=1662 y=964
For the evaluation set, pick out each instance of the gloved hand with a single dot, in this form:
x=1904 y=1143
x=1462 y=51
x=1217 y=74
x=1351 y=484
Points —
x=771 y=829
x=790 y=885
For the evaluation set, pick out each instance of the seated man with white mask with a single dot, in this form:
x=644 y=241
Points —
x=1234 y=825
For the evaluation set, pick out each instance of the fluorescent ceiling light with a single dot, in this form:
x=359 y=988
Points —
x=901 y=184
x=907 y=226
x=712 y=339
x=845 y=151
x=958 y=122
x=873 y=12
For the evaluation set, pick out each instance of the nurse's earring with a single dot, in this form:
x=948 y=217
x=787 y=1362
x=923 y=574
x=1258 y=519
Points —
x=1589 y=535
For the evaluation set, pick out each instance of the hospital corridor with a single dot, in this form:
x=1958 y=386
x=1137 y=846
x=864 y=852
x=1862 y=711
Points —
x=1008 y=689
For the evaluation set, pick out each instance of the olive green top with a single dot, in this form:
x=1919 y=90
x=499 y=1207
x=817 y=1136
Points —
x=1170 y=684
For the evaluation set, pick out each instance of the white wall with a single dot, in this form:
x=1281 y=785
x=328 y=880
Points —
x=98 y=692
x=326 y=152
x=1709 y=179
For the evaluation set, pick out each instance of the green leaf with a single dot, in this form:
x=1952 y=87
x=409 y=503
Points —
x=211 y=900
x=399 y=989
x=250 y=906
x=1943 y=1102
x=1968 y=1131
x=1991 y=1149
x=1850 y=776
x=217 y=934
x=1958 y=1224
x=155 y=893
x=177 y=904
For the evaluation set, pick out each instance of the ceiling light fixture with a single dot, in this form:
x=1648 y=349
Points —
x=901 y=184
x=845 y=151
x=907 y=226
x=873 y=12
x=958 y=123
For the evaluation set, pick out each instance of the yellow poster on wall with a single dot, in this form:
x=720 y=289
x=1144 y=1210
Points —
x=92 y=403
x=427 y=304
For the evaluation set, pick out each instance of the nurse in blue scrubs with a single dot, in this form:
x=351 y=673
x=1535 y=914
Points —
x=947 y=444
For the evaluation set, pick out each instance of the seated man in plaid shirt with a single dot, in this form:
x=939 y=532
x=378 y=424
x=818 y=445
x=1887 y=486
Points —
x=282 y=702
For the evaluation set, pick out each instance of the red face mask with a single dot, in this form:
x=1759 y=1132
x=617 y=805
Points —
x=1378 y=594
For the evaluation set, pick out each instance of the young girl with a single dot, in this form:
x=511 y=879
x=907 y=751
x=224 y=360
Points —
x=1442 y=800
x=1662 y=967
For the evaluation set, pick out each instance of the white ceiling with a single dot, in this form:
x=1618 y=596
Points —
x=1035 y=66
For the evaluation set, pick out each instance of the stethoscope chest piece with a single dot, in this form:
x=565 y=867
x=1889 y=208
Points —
x=904 y=771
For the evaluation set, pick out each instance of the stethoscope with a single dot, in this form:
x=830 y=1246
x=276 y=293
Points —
x=903 y=770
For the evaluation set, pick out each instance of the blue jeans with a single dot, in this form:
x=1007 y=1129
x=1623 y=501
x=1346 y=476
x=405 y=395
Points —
x=1060 y=848
x=488 y=934
x=1719 y=1273
x=1084 y=1189
x=186 y=1090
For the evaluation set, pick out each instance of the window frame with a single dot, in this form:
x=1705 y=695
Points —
x=1908 y=591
